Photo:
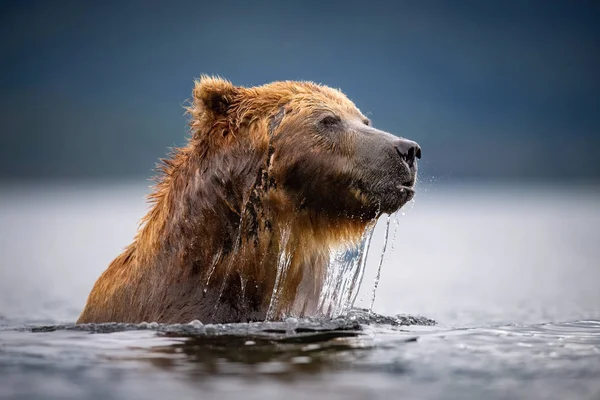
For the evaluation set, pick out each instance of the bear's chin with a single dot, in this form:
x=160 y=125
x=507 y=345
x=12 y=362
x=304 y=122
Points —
x=393 y=200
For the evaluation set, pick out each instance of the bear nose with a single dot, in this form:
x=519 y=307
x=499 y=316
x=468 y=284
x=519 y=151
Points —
x=408 y=150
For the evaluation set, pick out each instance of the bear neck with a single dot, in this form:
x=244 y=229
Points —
x=222 y=237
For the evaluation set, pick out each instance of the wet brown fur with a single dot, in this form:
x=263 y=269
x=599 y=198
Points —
x=220 y=221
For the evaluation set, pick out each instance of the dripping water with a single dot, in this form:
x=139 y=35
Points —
x=343 y=262
x=396 y=226
x=360 y=273
x=378 y=276
x=243 y=287
x=213 y=265
x=284 y=260
x=231 y=260
x=343 y=276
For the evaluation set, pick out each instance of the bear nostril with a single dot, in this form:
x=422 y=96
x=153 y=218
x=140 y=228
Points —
x=408 y=151
x=411 y=155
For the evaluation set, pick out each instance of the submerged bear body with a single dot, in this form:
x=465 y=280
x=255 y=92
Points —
x=245 y=218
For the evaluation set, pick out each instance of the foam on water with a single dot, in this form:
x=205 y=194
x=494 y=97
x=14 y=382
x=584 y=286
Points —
x=350 y=324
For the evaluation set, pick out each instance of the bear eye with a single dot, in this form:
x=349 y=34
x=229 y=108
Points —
x=367 y=122
x=330 y=121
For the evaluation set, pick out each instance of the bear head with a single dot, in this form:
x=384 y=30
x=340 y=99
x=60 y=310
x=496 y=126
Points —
x=321 y=153
x=277 y=184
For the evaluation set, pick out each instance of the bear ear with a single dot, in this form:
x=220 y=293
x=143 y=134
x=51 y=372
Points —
x=214 y=95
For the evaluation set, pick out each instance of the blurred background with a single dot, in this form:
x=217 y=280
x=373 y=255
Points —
x=491 y=90
x=502 y=96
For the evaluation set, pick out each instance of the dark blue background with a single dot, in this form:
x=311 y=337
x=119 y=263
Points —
x=491 y=90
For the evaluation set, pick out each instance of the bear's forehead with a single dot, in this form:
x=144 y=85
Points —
x=309 y=94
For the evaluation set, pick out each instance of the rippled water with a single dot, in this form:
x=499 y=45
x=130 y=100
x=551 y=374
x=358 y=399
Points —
x=511 y=275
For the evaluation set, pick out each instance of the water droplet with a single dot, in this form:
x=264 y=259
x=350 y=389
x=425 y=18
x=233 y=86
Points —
x=196 y=323
x=301 y=360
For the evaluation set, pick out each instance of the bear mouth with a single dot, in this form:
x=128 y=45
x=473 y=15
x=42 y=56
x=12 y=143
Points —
x=409 y=189
x=407 y=193
x=392 y=200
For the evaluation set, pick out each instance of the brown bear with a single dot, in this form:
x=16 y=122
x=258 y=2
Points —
x=245 y=218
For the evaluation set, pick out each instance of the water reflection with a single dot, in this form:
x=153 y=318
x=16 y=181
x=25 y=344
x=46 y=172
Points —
x=378 y=354
x=285 y=350
x=205 y=356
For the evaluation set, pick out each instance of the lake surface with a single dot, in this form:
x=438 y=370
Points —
x=511 y=274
